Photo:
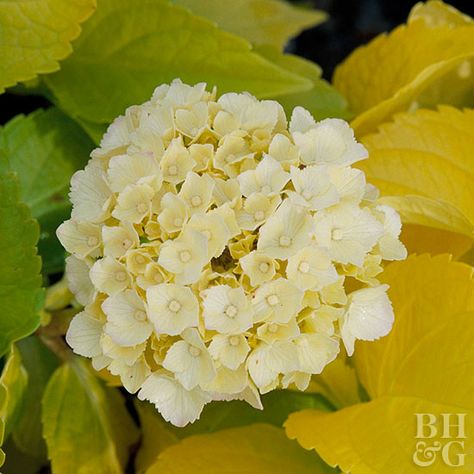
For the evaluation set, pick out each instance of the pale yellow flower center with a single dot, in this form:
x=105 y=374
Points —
x=336 y=234
x=273 y=328
x=142 y=207
x=264 y=267
x=285 y=241
x=266 y=189
x=194 y=351
x=178 y=222
x=140 y=316
x=92 y=241
x=120 y=276
x=140 y=259
x=196 y=201
x=303 y=267
x=172 y=170
x=259 y=216
x=273 y=300
x=231 y=311
x=185 y=256
x=307 y=194
x=174 y=306
x=234 y=341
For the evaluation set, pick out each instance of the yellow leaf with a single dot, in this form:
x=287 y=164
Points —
x=417 y=65
x=156 y=436
x=258 y=448
x=436 y=13
x=424 y=365
x=259 y=21
x=338 y=383
x=12 y=387
x=422 y=164
x=86 y=426
x=36 y=35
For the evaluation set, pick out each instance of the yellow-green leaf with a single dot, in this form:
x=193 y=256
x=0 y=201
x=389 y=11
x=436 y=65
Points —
x=416 y=65
x=86 y=426
x=322 y=100
x=259 y=448
x=424 y=365
x=156 y=436
x=422 y=164
x=259 y=21
x=337 y=383
x=12 y=389
x=20 y=281
x=35 y=35
x=127 y=48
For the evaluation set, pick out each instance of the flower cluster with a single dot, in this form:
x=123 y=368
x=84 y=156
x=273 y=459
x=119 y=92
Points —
x=221 y=253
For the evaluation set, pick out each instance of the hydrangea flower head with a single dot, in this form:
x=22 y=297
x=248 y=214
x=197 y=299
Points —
x=213 y=244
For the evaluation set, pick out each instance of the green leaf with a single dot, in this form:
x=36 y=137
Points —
x=127 y=49
x=59 y=147
x=86 y=426
x=258 y=448
x=12 y=388
x=40 y=364
x=20 y=281
x=259 y=21
x=36 y=35
x=322 y=100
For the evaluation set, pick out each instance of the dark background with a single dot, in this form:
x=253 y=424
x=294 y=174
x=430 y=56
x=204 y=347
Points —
x=351 y=23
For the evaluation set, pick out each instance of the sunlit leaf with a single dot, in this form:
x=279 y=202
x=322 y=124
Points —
x=322 y=100
x=422 y=165
x=156 y=436
x=13 y=383
x=259 y=21
x=20 y=282
x=127 y=49
x=59 y=148
x=416 y=65
x=86 y=426
x=258 y=448
x=337 y=383
x=423 y=366
x=36 y=35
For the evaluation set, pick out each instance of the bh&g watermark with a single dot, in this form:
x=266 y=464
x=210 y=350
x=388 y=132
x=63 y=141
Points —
x=449 y=431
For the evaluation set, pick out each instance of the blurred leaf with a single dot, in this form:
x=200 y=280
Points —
x=126 y=50
x=18 y=462
x=424 y=365
x=277 y=405
x=20 y=281
x=322 y=100
x=156 y=436
x=13 y=383
x=416 y=65
x=86 y=426
x=422 y=165
x=44 y=149
x=259 y=21
x=258 y=448
x=40 y=364
x=437 y=13
x=36 y=35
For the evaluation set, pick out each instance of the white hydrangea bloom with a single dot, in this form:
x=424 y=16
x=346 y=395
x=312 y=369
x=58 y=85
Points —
x=211 y=244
